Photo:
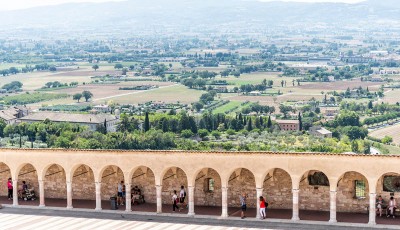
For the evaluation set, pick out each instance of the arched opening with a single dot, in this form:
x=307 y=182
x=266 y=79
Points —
x=29 y=174
x=172 y=180
x=314 y=196
x=55 y=186
x=352 y=197
x=242 y=181
x=83 y=188
x=388 y=185
x=208 y=193
x=278 y=193
x=110 y=178
x=144 y=197
x=5 y=173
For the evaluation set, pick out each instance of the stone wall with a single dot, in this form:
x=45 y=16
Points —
x=145 y=180
x=83 y=184
x=278 y=189
x=109 y=182
x=313 y=197
x=4 y=175
x=173 y=180
x=346 y=201
x=242 y=180
x=202 y=196
x=55 y=185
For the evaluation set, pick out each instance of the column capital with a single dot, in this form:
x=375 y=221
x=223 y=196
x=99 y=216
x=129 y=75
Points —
x=295 y=190
x=97 y=183
x=333 y=191
x=40 y=181
x=259 y=189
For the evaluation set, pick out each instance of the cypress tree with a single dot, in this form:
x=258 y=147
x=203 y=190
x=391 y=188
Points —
x=146 y=122
x=249 y=124
x=165 y=125
x=105 y=126
x=300 y=123
x=269 y=122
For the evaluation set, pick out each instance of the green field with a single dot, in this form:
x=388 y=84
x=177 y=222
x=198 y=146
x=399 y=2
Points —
x=227 y=107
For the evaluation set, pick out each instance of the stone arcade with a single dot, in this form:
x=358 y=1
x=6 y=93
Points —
x=211 y=178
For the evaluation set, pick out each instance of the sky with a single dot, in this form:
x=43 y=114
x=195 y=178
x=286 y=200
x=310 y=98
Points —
x=21 y=4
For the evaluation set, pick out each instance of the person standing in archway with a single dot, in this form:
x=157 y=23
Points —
x=243 y=205
x=175 y=201
x=10 y=189
x=262 y=208
x=182 y=196
x=119 y=194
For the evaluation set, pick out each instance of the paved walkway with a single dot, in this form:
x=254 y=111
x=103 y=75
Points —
x=30 y=217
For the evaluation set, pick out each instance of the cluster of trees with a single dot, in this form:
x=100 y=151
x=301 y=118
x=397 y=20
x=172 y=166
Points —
x=27 y=68
x=85 y=94
x=348 y=123
x=57 y=84
x=346 y=72
x=13 y=86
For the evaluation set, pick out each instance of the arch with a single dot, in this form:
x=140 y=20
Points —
x=172 y=179
x=207 y=188
x=277 y=188
x=5 y=173
x=109 y=177
x=242 y=180
x=143 y=178
x=27 y=172
x=345 y=195
x=83 y=186
x=314 y=185
x=386 y=184
x=55 y=185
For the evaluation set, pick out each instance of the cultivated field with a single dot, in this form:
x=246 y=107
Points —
x=391 y=131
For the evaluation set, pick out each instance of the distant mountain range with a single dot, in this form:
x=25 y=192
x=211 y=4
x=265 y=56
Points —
x=199 y=12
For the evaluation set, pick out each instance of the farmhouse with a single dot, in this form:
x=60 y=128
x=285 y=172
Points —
x=255 y=93
x=102 y=108
x=10 y=115
x=288 y=125
x=319 y=131
x=89 y=120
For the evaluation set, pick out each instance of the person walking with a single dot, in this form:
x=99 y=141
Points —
x=243 y=205
x=10 y=189
x=262 y=208
x=182 y=197
x=119 y=194
x=175 y=201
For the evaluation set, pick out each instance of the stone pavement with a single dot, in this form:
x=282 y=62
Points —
x=31 y=217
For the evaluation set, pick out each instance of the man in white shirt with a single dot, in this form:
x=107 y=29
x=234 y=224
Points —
x=182 y=196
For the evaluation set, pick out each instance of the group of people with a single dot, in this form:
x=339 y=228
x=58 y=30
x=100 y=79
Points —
x=390 y=207
x=121 y=193
x=262 y=203
x=10 y=188
x=179 y=200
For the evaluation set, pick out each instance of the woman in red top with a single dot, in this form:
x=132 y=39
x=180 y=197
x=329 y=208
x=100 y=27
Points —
x=10 y=188
x=262 y=208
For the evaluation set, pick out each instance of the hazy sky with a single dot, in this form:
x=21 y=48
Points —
x=20 y=4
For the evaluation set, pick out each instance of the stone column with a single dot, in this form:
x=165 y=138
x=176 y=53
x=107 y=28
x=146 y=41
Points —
x=41 y=193
x=259 y=193
x=191 y=201
x=98 y=196
x=333 y=207
x=15 y=192
x=69 y=195
x=295 y=216
x=372 y=208
x=159 y=198
x=224 y=202
x=128 y=201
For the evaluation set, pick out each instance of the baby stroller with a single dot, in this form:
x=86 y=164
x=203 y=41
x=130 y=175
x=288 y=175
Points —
x=29 y=194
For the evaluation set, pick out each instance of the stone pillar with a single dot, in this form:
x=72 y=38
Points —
x=98 y=196
x=191 y=201
x=295 y=216
x=372 y=208
x=333 y=207
x=69 y=195
x=15 y=192
x=128 y=201
x=159 y=198
x=259 y=193
x=224 y=202
x=41 y=193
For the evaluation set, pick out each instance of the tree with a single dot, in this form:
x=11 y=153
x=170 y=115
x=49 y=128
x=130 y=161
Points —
x=2 y=126
x=146 y=126
x=118 y=66
x=53 y=69
x=370 y=105
x=249 y=125
x=87 y=95
x=285 y=110
x=77 y=97
x=95 y=67
x=124 y=71
x=269 y=122
x=300 y=123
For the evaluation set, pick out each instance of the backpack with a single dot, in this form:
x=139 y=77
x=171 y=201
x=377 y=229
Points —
x=184 y=193
x=266 y=204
